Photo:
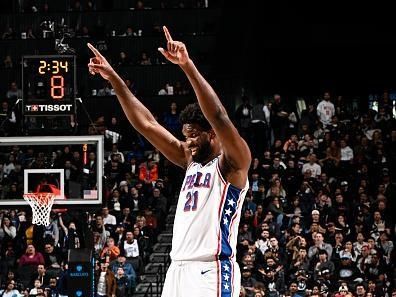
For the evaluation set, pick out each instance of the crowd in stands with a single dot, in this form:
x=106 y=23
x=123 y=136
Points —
x=138 y=190
x=318 y=218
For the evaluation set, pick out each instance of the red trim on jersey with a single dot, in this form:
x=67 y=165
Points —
x=232 y=277
x=218 y=277
x=234 y=217
x=219 y=172
x=219 y=215
x=189 y=165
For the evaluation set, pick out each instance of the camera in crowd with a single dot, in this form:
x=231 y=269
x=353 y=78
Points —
x=59 y=31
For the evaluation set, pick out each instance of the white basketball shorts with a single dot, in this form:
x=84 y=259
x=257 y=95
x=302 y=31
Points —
x=220 y=278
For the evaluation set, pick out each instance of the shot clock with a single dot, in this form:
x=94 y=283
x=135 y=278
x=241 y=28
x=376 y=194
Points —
x=49 y=85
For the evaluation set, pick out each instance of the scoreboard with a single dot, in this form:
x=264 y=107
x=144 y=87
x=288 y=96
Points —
x=49 y=85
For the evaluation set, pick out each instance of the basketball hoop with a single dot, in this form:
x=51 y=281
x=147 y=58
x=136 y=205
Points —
x=41 y=204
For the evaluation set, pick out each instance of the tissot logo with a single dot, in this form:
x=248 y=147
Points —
x=48 y=107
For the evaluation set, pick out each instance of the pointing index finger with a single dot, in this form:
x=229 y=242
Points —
x=94 y=50
x=167 y=34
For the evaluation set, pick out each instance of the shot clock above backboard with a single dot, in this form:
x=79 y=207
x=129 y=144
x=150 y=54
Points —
x=49 y=85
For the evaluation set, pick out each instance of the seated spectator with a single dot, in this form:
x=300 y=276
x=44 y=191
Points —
x=123 y=286
x=144 y=59
x=247 y=281
x=124 y=60
x=41 y=275
x=14 y=92
x=319 y=244
x=128 y=32
x=10 y=290
x=7 y=231
x=52 y=289
x=110 y=251
x=148 y=172
x=31 y=257
x=106 y=90
x=115 y=151
x=127 y=270
x=132 y=250
x=53 y=261
x=8 y=62
x=323 y=263
x=312 y=166
x=37 y=288
x=109 y=220
x=300 y=261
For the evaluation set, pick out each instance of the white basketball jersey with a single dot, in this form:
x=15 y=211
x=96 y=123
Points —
x=207 y=215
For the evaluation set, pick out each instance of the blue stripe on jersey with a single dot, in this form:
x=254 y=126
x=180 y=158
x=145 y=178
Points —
x=230 y=206
x=226 y=278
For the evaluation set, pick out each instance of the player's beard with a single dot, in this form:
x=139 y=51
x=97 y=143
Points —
x=203 y=153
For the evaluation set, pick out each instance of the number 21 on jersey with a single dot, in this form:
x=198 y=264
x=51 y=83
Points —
x=192 y=201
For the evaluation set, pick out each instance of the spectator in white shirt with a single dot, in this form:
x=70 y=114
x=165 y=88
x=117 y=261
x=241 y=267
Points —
x=314 y=167
x=115 y=151
x=346 y=157
x=108 y=219
x=346 y=151
x=10 y=290
x=325 y=110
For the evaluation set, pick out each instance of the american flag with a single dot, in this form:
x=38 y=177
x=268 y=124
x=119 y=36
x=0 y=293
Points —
x=90 y=194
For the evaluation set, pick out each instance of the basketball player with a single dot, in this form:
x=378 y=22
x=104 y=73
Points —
x=216 y=160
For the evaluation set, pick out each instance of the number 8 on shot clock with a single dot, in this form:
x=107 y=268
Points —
x=49 y=85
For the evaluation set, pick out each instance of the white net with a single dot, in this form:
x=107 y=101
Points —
x=41 y=204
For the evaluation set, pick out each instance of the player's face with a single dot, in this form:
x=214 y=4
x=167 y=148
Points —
x=198 y=142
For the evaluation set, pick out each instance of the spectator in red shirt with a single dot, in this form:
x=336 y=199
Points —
x=31 y=257
x=148 y=172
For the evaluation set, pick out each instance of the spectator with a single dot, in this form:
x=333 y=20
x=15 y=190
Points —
x=8 y=33
x=53 y=261
x=8 y=62
x=31 y=257
x=319 y=244
x=127 y=271
x=8 y=120
x=144 y=59
x=41 y=276
x=52 y=289
x=322 y=264
x=37 y=289
x=148 y=172
x=314 y=167
x=259 y=127
x=279 y=116
x=106 y=90
x=110 y=251
x=105 y=281
x=13 y=92
x=10 y=290
x=124 y=60
x=325 y=110
x=171 y=120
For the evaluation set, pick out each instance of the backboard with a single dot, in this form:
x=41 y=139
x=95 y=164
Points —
x=69 y=166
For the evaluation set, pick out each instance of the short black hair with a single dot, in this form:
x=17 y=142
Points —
x=192 y=114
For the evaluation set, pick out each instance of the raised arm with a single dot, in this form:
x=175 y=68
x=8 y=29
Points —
x=236 y=161
x=138 y=115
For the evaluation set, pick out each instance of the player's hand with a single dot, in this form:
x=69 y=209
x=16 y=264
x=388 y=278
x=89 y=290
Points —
x=176 y=51
x=99 y=64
